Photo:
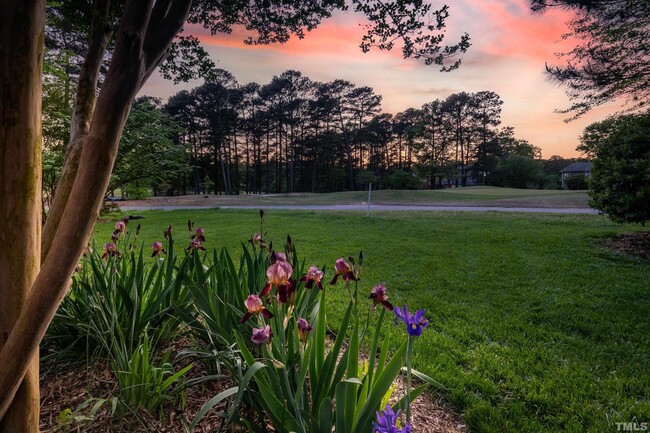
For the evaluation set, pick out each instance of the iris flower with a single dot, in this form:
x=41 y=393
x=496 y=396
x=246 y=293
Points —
x=199 y=235
x=279 y=275
x=261 y=335
x=110 y=250
x=378 y=296
x=195 y=245
x=414 y=323
x=303 y=329
x=343 y=269
x=387 y=422
x=256 y=239
x=157 y=248
x=254 y=306
x=120 y=227
x=313 y=278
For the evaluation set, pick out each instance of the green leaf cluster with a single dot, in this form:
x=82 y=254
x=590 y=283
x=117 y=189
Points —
x=620 y=177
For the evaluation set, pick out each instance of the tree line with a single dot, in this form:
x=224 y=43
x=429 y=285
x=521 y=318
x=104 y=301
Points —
x=295 y=134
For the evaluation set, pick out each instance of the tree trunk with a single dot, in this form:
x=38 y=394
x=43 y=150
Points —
x=81 y=117
x=267 y=174
x=21 y=55
x=314 y=174
x=144 y=35
x=348 y=152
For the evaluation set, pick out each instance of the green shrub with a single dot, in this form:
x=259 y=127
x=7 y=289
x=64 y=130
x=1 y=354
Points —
x=620 y=177
x=136 y=192
x=404 y=180
x=145 y=382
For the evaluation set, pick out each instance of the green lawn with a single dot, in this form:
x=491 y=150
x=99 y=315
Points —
x=478 y=196
x=533 y=326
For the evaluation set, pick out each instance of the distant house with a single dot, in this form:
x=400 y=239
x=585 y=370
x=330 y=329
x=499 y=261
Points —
x=463 y=171
x=574 y=170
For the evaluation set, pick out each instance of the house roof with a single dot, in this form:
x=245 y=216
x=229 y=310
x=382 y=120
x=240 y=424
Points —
x=577 y=167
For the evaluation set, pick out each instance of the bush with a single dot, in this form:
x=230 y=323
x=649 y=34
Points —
x=577 y=182
x=620 y=177
x=135 y=192
x=404 y=180
x=366 y=177
x=518 y=171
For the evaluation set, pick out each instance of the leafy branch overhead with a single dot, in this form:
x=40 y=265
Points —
x=411 y=23
x=420 y=30
x=611 y=61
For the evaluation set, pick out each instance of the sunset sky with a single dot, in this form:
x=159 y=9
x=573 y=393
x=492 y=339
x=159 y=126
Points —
x=509 y=49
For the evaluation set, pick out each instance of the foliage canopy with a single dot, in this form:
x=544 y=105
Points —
x=620 y=177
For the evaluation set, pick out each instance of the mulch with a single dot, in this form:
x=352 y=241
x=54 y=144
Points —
x=634 y=244
x=66 y=387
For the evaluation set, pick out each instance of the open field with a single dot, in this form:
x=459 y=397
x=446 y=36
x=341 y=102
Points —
x=469 y=196
x=534 y=327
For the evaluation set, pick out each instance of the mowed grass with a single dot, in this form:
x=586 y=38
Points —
x=533 y=327
x=477 y=195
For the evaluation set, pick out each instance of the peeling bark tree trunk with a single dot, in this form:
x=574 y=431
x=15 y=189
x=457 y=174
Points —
x=21 y=55
x=144 y=35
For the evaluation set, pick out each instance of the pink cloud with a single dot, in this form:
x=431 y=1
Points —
x=509 y=48
x=330 y=37
x=510 y=30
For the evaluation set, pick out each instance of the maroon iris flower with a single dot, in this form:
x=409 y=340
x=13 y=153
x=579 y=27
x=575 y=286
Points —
x=120 y=227
x=343 y=269
x=256 y=239
x=195 y=245
x=110 y=250
x=378 y=296
x=313 y=278
x=279 y=275
x=157 y=248
x=255 y=306
x=199 y=235
x=303 y=329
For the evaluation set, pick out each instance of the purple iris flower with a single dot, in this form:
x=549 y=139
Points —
x=387 y=422
x=414 y=323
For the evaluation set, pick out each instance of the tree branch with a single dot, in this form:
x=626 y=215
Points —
x=84 y=105
x=163 y=30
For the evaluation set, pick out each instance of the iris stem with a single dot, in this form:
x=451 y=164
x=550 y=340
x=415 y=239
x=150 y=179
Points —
x=409 y=356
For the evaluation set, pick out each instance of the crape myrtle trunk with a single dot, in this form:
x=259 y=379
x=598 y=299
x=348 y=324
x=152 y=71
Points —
x=21 y=62
x=142 y=40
